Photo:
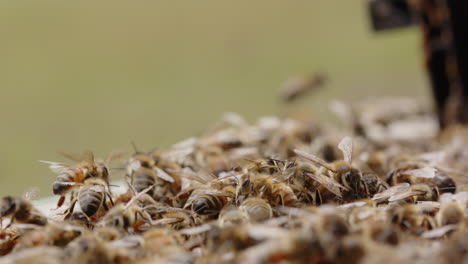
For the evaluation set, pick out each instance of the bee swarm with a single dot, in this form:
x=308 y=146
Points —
x=382 y=187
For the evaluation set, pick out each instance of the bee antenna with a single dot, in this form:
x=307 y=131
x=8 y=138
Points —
x=134 y=147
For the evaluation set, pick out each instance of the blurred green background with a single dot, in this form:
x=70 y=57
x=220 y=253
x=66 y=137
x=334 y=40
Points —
x=77 y=75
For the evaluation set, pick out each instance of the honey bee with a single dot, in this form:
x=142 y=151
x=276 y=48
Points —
x=258 y=210
x=216 y=163
x=345 y=181
x=88 y=248
x=92 y=196
x=21 y=210
x=207 y=202
x=143 y=172
x=408 y=218
x=70 y=177
x=452 y=210
x=413 y=172
x=268 y=187
x=9 y=238
x=53 y=234
x=300 y=85
x=176 y=218
x=125 y=217
x=161 y=241
x=231 y=215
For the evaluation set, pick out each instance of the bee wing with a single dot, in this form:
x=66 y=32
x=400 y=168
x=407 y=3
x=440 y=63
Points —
x=399 y=188
x=346 y=146
x=314 y=159
x=404 y=195
x=88 y=156
x=352 y=205
x=97 y=188
x=211 y=192
x=114 y=155
x=196 y=230
x=438 y=232
x=166 y=221
x=191 y=175
x=427 y=205
x=56 y=167
x=72 y=156
x=328 y=183
x=426 y=172
x=163 y=175
x=31 y=194
x=262 y=232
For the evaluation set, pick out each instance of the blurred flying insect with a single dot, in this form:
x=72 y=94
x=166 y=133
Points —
x=298 y=86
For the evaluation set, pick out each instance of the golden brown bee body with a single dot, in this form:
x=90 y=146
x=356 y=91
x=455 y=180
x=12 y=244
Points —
x=257 y=209
x=351 y=178
x=124 y=218
x=450 y=214
x=52 y=234
x=91 y=197
x=205 y=202
x=20 y=210
x=231 y=215
x=408 y=218
x=143 y=178
x=70 y=177
x=276 y=192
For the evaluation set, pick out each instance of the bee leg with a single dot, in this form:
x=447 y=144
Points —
x=68 y=213
x=11 y=222
x=60 y=202
x=110 y=198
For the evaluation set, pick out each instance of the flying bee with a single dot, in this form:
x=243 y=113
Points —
x=257 y=209
x=207 y=202
x=92 y=196
x=20 y=209
x=300 y=85
x=70 y=177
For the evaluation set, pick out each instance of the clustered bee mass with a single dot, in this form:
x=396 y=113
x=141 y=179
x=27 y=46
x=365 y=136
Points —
x=368 y=190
